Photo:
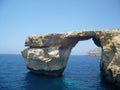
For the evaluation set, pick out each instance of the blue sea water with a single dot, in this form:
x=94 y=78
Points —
x=81 y=73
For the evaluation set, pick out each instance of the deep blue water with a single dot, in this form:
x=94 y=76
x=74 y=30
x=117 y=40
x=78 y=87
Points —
x=82 y=73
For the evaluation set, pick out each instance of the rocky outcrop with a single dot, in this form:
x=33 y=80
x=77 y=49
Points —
x=48 y=54
x=94 y=52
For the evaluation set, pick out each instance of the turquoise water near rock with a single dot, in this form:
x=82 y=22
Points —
x=81 y=73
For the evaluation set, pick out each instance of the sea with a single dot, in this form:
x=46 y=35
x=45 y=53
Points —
x=82 y=73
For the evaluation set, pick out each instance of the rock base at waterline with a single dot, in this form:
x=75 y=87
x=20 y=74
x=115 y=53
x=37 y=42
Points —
x=48 y=73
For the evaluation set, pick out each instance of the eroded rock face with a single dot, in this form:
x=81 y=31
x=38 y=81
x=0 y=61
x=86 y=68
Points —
x=48 y=61
x=110 y=59
x=48 y=54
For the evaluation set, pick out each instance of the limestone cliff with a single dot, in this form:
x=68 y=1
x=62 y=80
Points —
x=48 y=53
x=94 y=52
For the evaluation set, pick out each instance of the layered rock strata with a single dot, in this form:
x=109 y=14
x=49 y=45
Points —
x=48 y=53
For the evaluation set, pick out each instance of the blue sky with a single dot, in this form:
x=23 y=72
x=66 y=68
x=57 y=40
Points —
x=20 y=18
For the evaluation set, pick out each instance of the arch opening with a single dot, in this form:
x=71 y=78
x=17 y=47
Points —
x=84 y=68
x=87 y=47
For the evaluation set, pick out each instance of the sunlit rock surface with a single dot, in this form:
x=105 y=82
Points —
x=47 y=54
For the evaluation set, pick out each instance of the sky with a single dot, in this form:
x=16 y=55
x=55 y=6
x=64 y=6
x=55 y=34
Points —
x=21 y=18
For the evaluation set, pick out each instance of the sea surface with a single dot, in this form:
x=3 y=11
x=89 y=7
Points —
x=81 y=73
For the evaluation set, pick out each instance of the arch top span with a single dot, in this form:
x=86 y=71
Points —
x=48 y=53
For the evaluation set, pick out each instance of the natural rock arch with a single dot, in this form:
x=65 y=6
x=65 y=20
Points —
x=48 y=54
